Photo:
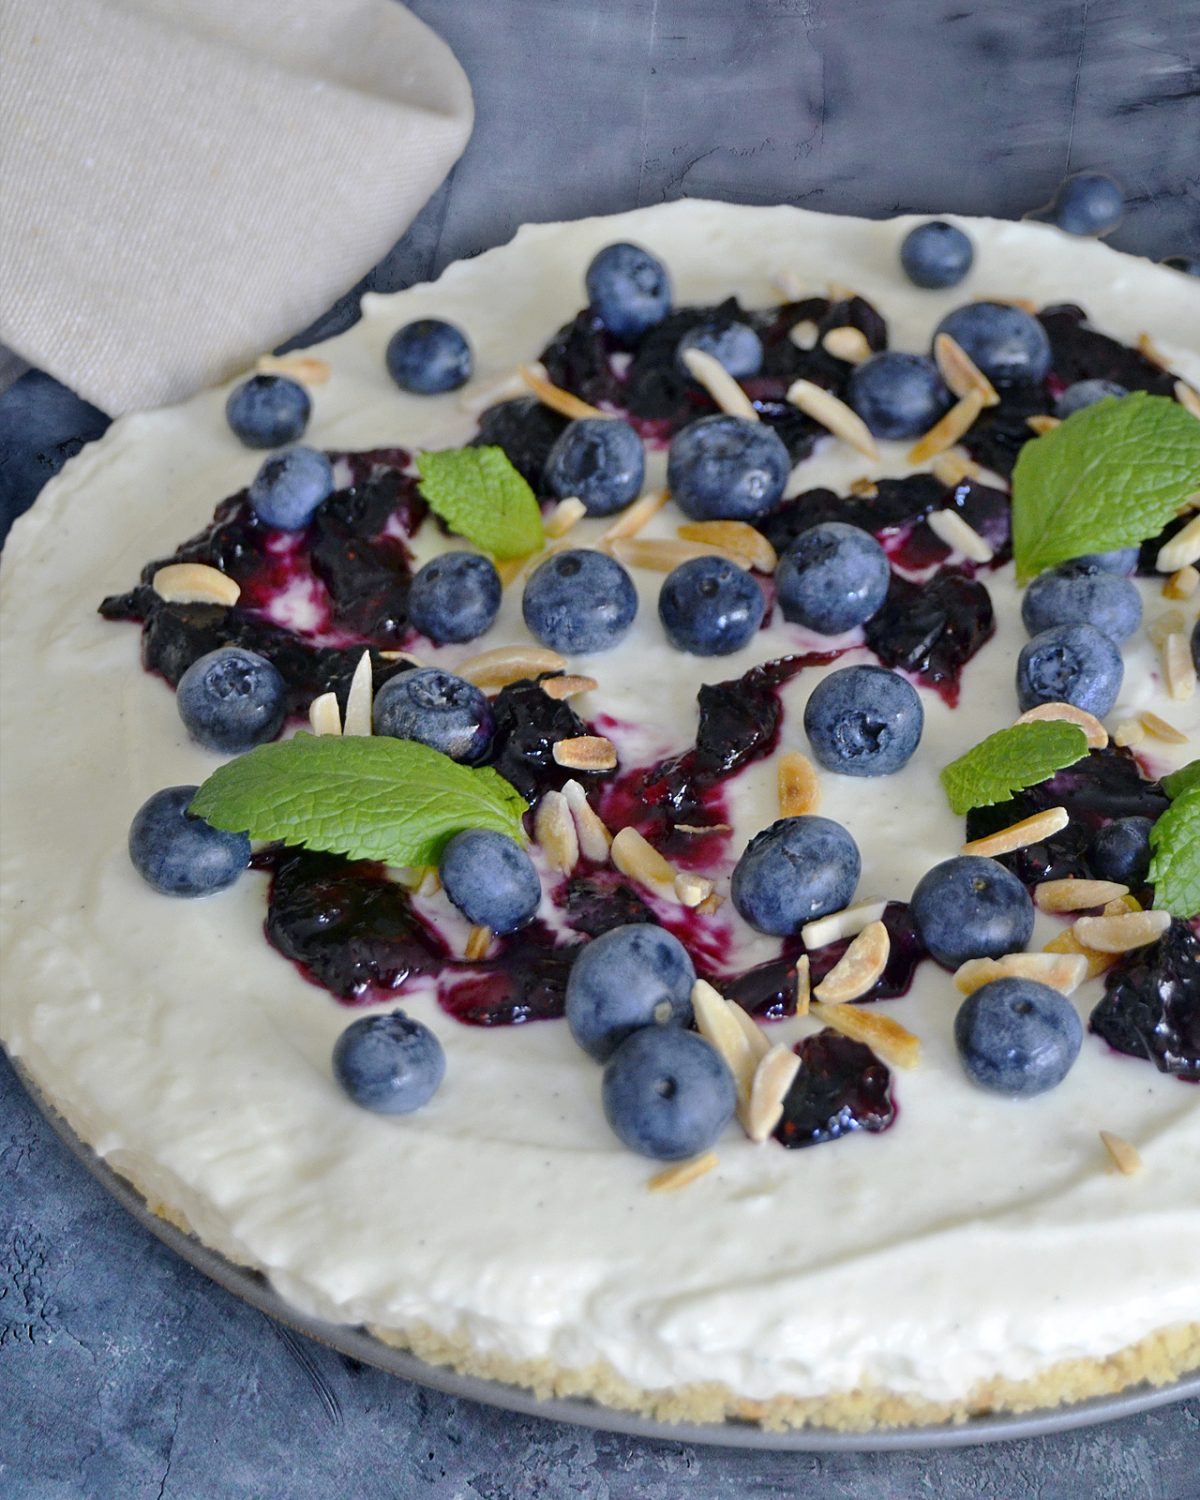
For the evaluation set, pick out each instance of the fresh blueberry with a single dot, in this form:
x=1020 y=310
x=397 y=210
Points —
x=1188 y=264
x=864 y=721
x=734 y=345
x=491 y=879
x=267 y=411
x=454 y=597
x=231 y=700
x=1082 y=592
x=970 y=907
x=1008 y=344
x=627 y=978
x=428 y=357
x=180 y=855
x=898 y=395
x=726 y=468
x=710 y=607
x=437 y=709
x=1121 y=561
x=579 y=601
x=1017 y=1037
x=628 y=290
x=1121 y=851
x=832 y=578
x=1087 y=393
x=1087 y=203
x=390 y=1064
x=667 y=1094
x=289 y=487
x=599 y=460
x=936 y=255
x=793 y=871
x=1075 y=664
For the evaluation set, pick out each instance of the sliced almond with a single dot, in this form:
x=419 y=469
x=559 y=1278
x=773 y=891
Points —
x=1067 y=942
x=664 y=554
x=560 y=688
x=692 y=889
x=848 y=922
x=507 y=385
x=1158 y=727
x=960 y=372
x=430 y=882
x=1064 y=972
x=1178 y=667
x=1150 y=350
x=1187 y=397
x=734 y=538
x=805 y=333
x=507 y=664
x=1042 y=423
x=1124 y=1156
x=400 y=656
x=702 y=828
x=306 y=368
x=564 y=402
x=1182 y=549
x=640 y=860
x=773 y=1077
x=803 y=985
x=839 y=291
x=1076 y=895
x=756 y=1037
x=554 y=828
x=799 y=787
x=834 y=415
x=479 y=940
x=585 y=752
x=631 y=521
x=949 y=527
x=566 y=513
x=1183 y=583
x=858 y=968
x=195 y=583
x=1097 y=735
x=865 y=487
x=1121 y=934
x=324 y=715
x=711 y=904
x=707 y=370
x=594 y=837
x=1170 y=622
x=359 y=698
x=957 y=422
x=789 y=285
x=954 y=466
x=677 y=1176
x=848 y=343
x=1128 y=732
x=1020 y=835
x=722 y=1032
x=892 y=1042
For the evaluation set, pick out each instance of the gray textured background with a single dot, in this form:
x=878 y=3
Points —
x=123 y=1372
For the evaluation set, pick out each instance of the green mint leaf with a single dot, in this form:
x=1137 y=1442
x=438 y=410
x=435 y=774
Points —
x=369 y=798
x=1182 y=780
x=1011 y=760
x=1175 y=865
x=1109 y=476
x=479 y=495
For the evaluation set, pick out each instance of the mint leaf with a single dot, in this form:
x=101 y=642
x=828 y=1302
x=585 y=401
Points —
x=1182 y=780
x=369 y=798
x=479 y=494
x=1175 y=865
x=1011 y=760
x=1109 y=476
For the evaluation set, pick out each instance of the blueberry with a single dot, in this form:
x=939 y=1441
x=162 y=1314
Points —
x=898 y=395
x=727 y=468
x=1008 y=344
x=627 y=978
x=667 y=1094
x=491 y=879
x=1121 y=561
x=1121 y=851
x=601 y=461
x=267 y=411
x=1086 y=393
x=1017 y=1037
x=793 y=871
x=1188 y=264
x=289 y=487
x=437 y=709
x=628 y=290
x=734 y=345
x=389 y=1064
x=864 y=721
x=180 y=855
x=454 y=597
x=1082 y=592
x=1075 y=664
x=579 y=601
x=1087 y=203
x=231 y=700
x=969 y=907
x=832 y=578
x=428 y=357
x=710 y=607
x=936 y=255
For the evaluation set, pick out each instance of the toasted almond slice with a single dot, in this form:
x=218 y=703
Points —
x=678 y=1175
x=1076 y=895
x=631 y=521
x=1128 y=732
x=960 y=372
x=949 y=527
x=1150 y=350
x=566 y=403
x=885 y=1037
x=400 y=656
x=1124 y=1156
x=865 y=487
x=691 y=888
x=805 y=333
x=306 y=368
x=1067 y=942
x=1170 y=622
x=594 y=837
x=560 y=688
x=756 y=1037
x=707 y=370
x=1064 y=972
x=847 y=343
x=803 y=985
x=848 y=922
x=1020 y=835
x=1183 y=583
x=1119 y=905
x=733 y=538
x=957 y=422
x=773 y=1077
x=585 y=752
x=711 y=904
x=954 y=466
x=664 y=554
x=1097 y=735
x=1042 y=423
x=788 y=284
x=1182 y=549
x=1187 y=397
x=566 y=513
x=858 y=968
x=1121 y=934
x=554 y=828
x=722 y=1032
x=702 y=828
x=359 y=699
x=195 y=583
x=507 y=385
x=430 y=882
x=479 y=940
x=640 y=860
x=1158 y=727
x=834 y=415
x=1178 y=667
x=507 y=664
x=324 y=715
x=799 y=788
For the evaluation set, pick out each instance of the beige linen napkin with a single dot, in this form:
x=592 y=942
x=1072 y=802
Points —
x=185 y=183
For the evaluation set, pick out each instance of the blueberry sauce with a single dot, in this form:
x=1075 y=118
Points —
x=1151 y=1004
x=933 y=629
x=528 y=723
x=841 y=1087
